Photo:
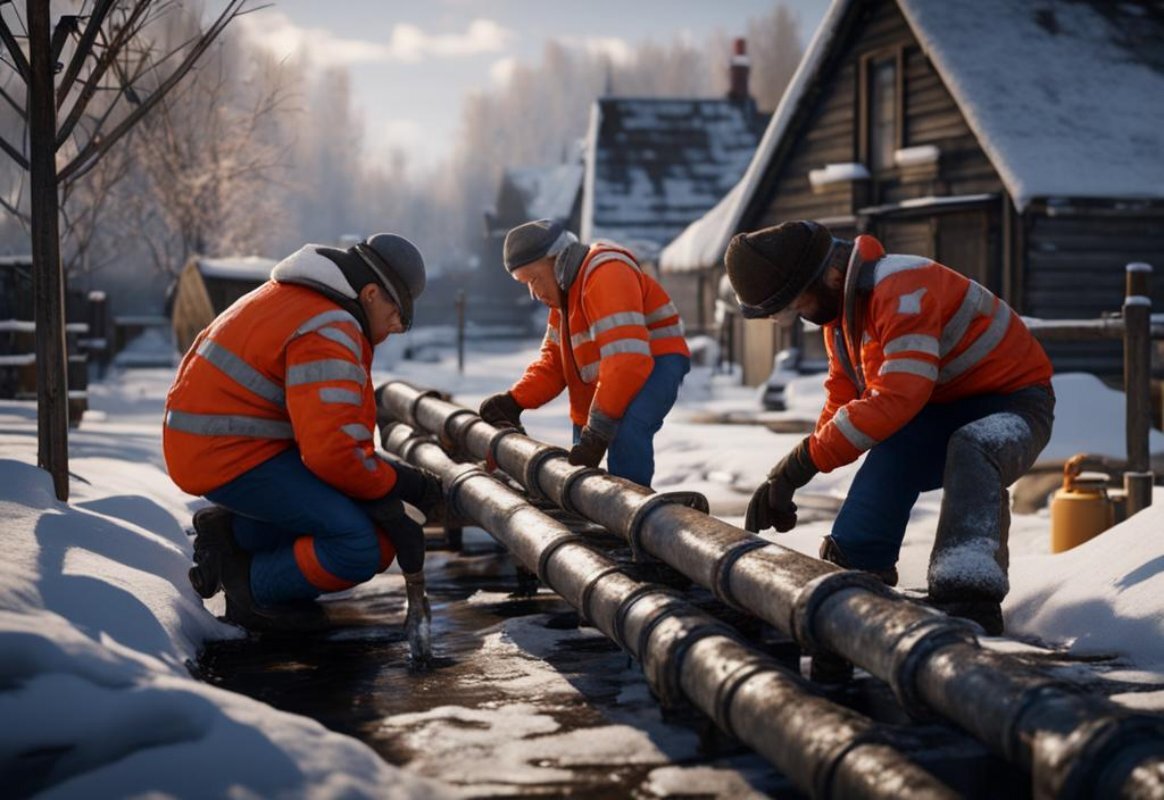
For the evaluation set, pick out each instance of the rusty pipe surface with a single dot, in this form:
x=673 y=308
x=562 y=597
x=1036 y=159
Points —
x=1074 y=744
x=826 y=749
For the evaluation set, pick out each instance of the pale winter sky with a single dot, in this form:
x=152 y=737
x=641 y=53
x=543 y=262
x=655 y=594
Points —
x=412 y=63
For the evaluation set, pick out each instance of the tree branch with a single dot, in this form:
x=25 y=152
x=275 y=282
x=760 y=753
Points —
x=14 y=154
x=19 y=109
x=18 y=59
x=84 y=48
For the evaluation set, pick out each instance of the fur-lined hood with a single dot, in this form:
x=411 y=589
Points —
x=308 y=267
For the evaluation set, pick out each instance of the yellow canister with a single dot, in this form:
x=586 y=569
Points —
x=1081 y=510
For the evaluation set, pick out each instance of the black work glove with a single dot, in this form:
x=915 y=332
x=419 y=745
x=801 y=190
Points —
x=590 y=449
x=771 y=505
x=501 y=410
x=418 y=487
x=407 y=536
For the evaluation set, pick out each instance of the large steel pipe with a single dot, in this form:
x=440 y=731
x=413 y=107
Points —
x=826 y=749
x=1075 y=745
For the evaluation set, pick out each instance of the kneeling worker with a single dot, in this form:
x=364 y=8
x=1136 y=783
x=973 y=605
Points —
x=271 y=417
x=613 y=339
x=932 y=376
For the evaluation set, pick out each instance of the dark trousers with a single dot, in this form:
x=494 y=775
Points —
x=974 y=448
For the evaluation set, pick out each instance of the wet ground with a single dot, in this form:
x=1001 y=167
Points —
x=521 y=701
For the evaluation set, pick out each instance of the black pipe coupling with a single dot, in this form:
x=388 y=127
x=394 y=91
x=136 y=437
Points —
x=454 y=490
x=568 y=487
x=588 y=590
x=1100 y=759
x=693 y=500
x=722 y=572
x=550 y=548
x=663 y=666
x=825 y=775
x=494 y=441
x=816 y=592
x=914 y=647
x=729 y=686
x=534 y=465
x=416 y=402
x=625 y=607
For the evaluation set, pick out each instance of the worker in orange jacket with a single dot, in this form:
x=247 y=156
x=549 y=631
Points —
x=271 y=417
x=932 y=377
x=613 y=340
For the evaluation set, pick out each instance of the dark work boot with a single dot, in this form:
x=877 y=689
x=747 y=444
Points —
x=987 y=613
x=242 y=610
x=830 y=668
x=213 y=541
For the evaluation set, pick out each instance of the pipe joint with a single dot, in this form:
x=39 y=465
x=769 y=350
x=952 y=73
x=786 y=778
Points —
x=533 y=467
x=494 y=443
x=663 y=665
x=729 y=686
x=421 y=396
x=634 y=529
x=722 y=572
x=588 y=589
x=915 y=647
x=548 y=551
x=624 y=611
x=1100 y=759
x=454 y=490
x=810 y=599
x=568 y=488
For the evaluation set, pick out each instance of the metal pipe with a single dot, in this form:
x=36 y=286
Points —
x=932 y=662
x=826 y=749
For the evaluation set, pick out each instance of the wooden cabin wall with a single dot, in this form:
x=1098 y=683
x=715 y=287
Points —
x=193 y=309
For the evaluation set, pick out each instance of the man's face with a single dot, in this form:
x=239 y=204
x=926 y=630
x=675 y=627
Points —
x=538 y=277
x=819 y=303
x=383 y=314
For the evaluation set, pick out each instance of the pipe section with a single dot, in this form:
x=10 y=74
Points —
x=826 y=749
x=1074 y=744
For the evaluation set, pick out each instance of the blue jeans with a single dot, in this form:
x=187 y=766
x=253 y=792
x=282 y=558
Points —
x=280 y=501
x=632 y=452
x=974 y=448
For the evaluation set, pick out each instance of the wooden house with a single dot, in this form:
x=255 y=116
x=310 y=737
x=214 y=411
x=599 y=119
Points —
x=206 y=287
x=1019 y=142
x=655 y=165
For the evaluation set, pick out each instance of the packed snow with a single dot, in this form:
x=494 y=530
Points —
x=99 y=627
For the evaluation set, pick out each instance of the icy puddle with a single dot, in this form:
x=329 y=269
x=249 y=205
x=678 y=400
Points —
x=520 y=701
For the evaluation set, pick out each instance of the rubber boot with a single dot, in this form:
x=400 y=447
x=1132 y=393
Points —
x=214 y=540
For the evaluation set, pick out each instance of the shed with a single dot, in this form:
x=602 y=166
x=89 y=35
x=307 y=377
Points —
x=207 y=286
x=1020 y=143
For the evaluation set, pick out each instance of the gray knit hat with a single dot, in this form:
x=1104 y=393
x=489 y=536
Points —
x=398 y=266
x=533 y=240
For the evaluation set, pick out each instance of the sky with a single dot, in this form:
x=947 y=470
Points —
x=413 y=63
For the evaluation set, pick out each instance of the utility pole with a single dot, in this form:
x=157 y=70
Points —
x=52 y=412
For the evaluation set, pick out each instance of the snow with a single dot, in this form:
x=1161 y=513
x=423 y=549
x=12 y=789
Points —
x=99 y=627
x=242 y=268
x=917 y=156
x=838 y=173
x=549 y=192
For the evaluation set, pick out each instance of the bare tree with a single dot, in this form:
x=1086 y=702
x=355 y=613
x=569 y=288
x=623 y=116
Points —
x=104 y=48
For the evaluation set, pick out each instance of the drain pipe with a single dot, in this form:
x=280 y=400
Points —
x=826 y=749
x=1074 y=744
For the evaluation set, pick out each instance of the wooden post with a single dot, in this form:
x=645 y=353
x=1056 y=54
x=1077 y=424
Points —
x=1137 y=386
x=48 y=285
x=461 y=331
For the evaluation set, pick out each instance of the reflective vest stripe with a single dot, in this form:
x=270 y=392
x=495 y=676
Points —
x=228 y=425
x=589 y=372
x=552 y=335
x=666 y=332
x=326 y=318
x=662 y=312
x=313 y=571
x=911 y=366
x=856 y=437
x=331 y=394
x=370 y=462
x=336 y=335
x=328 y=369
x=893 y=264
x=241 y=372
x=579 y=339
x=982 y=347
x=357 y=431
x=913 y=343
x=977 y=301
x=616 y=320
x=625 y=346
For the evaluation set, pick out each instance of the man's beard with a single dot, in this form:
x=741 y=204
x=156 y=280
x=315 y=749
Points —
x=826 y=303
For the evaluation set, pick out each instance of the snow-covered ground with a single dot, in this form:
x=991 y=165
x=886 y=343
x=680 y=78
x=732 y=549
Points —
x=99 y=627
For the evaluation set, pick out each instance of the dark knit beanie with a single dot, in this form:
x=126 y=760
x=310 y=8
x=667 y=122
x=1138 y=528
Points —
x=387 y=259
x=768 y=268
x=535 y=240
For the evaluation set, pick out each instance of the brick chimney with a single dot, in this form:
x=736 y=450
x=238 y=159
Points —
x=738 y=70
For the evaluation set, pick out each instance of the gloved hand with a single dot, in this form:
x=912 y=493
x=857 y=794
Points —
x=418 y=619
x=407 y=537
x=590 y=449
x=417 y=487
x=501 y=410
x=771 y=505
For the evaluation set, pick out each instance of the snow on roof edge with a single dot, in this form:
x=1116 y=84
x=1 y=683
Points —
x=685 y=253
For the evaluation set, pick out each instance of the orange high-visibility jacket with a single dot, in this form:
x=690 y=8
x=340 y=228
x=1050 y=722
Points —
x=618 y=319
x=284 y=366
x=913 y=332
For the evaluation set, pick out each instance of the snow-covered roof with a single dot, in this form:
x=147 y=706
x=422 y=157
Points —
x=549 y=192
x=1064 y=98
x=656 y=164
x=242 y=268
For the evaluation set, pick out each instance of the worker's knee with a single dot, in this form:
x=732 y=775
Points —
x=353 y=557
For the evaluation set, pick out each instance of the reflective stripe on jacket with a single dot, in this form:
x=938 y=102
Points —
x=619 y=318
x=920 y=333
x=284 y=366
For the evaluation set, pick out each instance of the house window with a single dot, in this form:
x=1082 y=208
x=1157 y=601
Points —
x=883 y=102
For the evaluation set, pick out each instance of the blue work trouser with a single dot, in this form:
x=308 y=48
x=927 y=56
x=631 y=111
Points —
x=974 y=448
x=632 y=452
x=280 y=501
